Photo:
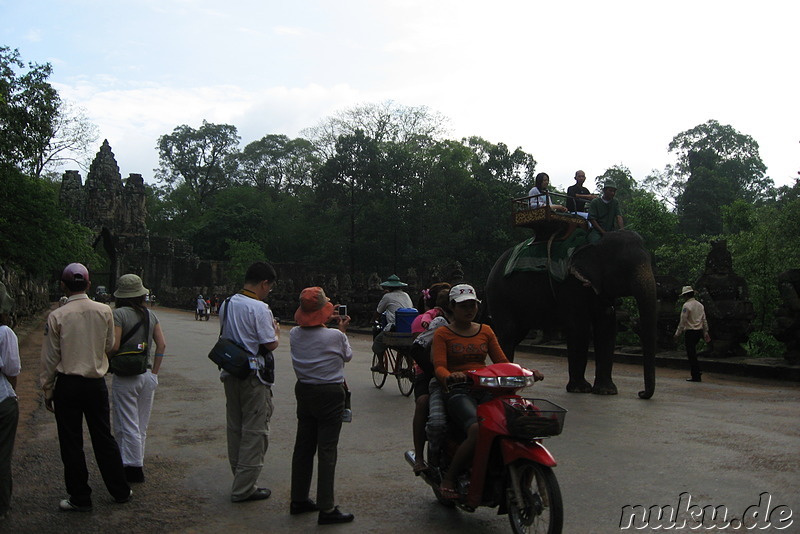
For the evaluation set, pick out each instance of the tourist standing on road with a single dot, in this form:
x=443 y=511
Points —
x=9 y=405
x=693 y=325
x=318 y=357
x=77 y=337
x=248 y=321
x=133 y=395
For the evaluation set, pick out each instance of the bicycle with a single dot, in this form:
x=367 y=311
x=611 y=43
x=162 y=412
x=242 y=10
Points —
x=396 y=361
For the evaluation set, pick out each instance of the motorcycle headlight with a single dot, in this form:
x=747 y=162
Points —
x=511 y=382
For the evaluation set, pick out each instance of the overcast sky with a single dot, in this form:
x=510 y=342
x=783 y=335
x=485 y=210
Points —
x=578 y=84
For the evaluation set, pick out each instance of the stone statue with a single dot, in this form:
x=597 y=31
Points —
x=728 y=308
x=786 y=325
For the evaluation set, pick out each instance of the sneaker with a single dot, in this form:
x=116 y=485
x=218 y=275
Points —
x=334 y=516
x=67 y=506
x=123 y=500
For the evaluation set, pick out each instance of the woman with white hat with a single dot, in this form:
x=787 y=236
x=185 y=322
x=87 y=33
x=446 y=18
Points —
x=132 y=396
x=458 y=347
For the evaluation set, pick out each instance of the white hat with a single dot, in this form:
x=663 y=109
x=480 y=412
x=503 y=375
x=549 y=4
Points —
x=686 y=289
x=462 y=292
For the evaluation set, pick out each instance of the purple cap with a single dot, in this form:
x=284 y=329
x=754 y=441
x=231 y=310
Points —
x=74 y=272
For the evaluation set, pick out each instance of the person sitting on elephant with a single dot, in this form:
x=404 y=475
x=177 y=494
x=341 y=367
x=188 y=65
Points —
x=459 y=347
x=604 y=213
x=539 y=197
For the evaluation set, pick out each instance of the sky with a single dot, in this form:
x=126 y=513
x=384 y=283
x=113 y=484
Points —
x=578 y=85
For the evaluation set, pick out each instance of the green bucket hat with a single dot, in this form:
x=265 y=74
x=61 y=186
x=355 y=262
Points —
x=610 y=184
x=393 y=281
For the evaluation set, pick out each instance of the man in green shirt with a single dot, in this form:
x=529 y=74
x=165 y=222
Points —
x=604 y=213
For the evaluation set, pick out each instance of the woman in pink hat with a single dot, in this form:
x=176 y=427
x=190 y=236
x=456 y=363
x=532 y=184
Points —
x=318 y=357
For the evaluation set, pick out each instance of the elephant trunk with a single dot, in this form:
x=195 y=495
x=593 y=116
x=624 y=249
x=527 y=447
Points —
x=644 y=290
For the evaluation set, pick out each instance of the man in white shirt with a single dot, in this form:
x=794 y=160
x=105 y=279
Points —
x=693 y=325
x=9 y=406
x=247 y=320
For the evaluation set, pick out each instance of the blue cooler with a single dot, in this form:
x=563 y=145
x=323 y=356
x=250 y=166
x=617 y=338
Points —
x=403 y=318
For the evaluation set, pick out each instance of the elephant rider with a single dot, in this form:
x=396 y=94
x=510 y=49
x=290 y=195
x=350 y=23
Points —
x=458 y=347
x=604 y=213
x=394 y=299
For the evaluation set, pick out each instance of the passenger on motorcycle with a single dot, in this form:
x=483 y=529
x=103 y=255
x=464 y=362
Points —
x=459 y=347
x=435 y=303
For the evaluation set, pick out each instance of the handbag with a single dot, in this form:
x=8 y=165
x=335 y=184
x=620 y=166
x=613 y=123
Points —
x=132 y=362
x=229 y=355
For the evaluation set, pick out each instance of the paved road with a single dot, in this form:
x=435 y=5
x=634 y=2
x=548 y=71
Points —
x=724 y=442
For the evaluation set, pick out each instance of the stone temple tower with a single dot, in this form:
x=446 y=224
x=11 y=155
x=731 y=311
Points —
x=114 y=210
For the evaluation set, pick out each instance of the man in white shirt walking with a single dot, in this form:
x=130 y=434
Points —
x=693 y=325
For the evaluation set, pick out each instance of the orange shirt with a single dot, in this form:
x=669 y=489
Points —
x=452 y=352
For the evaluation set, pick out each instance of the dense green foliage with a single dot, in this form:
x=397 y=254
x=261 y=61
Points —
x=380 y=188
x=34 y=233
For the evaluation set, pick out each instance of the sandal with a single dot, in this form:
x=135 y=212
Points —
x=449 y=494
x=420 y=468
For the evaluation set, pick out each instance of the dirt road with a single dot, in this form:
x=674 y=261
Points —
x=724 y=441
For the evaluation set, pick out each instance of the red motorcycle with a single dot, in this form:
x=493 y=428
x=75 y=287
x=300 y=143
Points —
x=511 y=469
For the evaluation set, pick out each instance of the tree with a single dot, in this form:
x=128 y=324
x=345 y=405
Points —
x=384 y=122
x=715 y=166
x=28 y=110
x=72 y=138
x=34 y=233
x=278 y=163
x=205 y=160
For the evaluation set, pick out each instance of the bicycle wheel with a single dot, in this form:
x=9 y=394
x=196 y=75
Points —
x=405 y=373
x=379 y=369
x=541 y=510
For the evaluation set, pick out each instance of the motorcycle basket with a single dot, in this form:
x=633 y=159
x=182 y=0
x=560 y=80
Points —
x=533 y=418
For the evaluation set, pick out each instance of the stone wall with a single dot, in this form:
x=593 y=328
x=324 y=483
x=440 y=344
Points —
x=30 y=295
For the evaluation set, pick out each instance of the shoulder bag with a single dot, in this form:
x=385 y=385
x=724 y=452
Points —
x=228 y=354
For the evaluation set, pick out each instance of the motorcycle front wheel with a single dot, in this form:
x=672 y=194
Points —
x=540 y=510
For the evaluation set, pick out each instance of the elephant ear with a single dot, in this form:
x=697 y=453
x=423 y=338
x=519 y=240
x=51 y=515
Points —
x=584 y=266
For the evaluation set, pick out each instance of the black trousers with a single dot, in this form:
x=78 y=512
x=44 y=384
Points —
x=74 y=398
x=319 y=421
x=691 y=339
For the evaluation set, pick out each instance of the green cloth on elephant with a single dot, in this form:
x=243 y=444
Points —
x=530 y=256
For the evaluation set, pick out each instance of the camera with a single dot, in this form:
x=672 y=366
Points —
x=342 y=310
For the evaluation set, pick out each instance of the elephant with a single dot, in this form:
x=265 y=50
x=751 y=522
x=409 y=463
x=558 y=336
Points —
x=618 y=265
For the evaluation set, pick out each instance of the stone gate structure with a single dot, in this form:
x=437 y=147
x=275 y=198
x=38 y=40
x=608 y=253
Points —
x=115 y=210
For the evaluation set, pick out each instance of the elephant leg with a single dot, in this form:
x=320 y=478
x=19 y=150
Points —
x=578 y=326
x=605 y=337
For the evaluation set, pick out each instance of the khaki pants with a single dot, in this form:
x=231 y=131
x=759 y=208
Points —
x=248 y=408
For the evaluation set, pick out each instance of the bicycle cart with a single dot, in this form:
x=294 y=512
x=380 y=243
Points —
x=396 y=361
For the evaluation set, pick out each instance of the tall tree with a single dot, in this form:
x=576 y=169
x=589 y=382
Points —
x=715 y=165
x=278 y=163
x=204 y=160
x=384 y=122
x=28 y=110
